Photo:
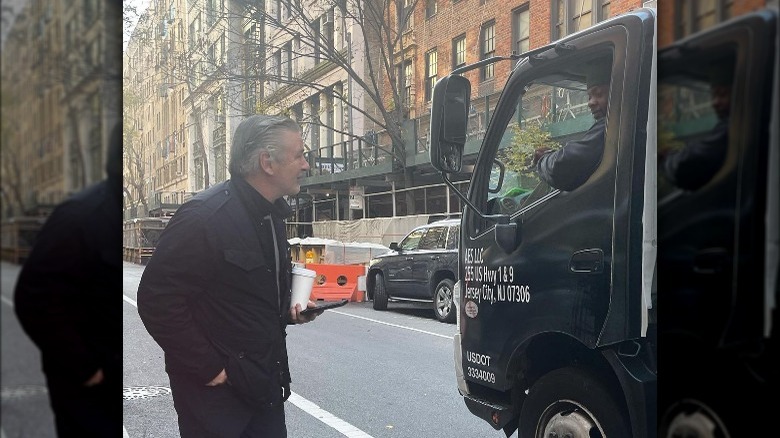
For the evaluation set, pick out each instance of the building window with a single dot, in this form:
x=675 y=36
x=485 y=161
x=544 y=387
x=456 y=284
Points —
x=570 y=16
x=431 y=60
x=408 y=83
x=211 y=13
x=520 y=29
x=287 y=61
x=487 y=48
x=220 y=166
x=430 y=8
x=405 y=85
x=315 y=30
x=459 y=51
x=328 y=30
x=406 y=15
x=692 y=16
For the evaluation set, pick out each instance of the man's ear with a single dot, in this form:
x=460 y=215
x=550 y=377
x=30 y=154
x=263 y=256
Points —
x=266 y=163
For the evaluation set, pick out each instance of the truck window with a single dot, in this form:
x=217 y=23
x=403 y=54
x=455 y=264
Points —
x=693 y=121
x=553 y=111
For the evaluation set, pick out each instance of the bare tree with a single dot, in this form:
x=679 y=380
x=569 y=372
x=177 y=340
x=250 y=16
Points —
x=134 y=165
x=382 y=25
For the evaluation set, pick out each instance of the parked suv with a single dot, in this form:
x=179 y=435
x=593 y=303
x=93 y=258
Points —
x=421 y=268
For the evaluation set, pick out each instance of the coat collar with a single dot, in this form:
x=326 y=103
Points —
x=256 y=203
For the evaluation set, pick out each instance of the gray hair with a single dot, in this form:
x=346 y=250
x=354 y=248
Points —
x=257 y=134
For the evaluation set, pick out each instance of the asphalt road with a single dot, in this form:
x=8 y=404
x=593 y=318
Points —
x=356 y=372
x=25 y=410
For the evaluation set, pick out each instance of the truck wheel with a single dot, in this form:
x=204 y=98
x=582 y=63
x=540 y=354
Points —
x=571 y=402
x=380 y=294
x=443 y=305
x=691 y=417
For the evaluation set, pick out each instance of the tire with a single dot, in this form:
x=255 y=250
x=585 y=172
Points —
x=380 y=293
x=443 y=304
x=692 y=417
x=571 y=402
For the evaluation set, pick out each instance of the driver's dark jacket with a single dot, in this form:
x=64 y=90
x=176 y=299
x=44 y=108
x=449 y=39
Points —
x=209 y=295
x=570 y=166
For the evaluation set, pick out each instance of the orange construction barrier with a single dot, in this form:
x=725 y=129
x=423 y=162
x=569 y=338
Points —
x=336 y=282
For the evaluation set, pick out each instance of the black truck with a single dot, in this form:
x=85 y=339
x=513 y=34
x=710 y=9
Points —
x=556 y=312
x=718 y=221
x=558 y=288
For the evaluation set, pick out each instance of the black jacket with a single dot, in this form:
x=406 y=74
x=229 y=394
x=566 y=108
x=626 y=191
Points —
x=695 y=164
x=210 y=293
x=570 y=166
x=67 y=291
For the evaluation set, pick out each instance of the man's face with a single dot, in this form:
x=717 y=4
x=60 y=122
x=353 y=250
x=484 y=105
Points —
x=598 y=96
x=290 y=163
x=721 y=100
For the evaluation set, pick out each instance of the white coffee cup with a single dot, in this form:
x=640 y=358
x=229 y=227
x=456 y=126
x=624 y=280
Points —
x=302 y=283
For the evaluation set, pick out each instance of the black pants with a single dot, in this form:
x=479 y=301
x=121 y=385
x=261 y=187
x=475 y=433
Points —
x=218 y=412
x=82 y=412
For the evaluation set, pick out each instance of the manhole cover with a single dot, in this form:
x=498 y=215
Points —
x=136 y=392
x=22 y=391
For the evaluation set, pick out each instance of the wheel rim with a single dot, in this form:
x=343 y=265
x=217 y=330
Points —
x=443 y=300
x=568 y=419
x=693 y=418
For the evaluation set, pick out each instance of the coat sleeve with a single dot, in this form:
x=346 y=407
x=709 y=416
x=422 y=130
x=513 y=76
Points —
x=49 y=298
x=696 y=164
x=570 y=166
x=173 y=280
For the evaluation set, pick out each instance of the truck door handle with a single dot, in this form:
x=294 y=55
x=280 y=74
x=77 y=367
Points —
x=588 y=261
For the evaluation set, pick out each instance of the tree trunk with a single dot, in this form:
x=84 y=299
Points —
x=72 y=116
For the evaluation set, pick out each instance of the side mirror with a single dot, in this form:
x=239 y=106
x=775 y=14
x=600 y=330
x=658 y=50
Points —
x=394 y=246
x=449 y=118
x=496 y=178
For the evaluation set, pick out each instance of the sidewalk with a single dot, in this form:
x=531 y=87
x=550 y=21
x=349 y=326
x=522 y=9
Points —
x=25 y=410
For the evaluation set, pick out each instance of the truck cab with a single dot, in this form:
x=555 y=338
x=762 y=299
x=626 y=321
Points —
x=556 y=324
x=718 y=196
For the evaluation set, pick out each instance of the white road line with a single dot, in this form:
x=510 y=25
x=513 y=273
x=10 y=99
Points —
x=7 y=301
x=391 y=324
x=326 y=417
x=130 y=300
x=124 y=432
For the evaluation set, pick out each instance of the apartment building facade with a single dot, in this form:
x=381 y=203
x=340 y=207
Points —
x=61 y=74
x=314 y=62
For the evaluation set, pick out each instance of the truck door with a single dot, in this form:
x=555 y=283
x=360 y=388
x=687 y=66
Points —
x=571 y=271
x=715 y=167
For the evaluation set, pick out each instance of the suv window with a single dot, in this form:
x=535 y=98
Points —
x=411 y=241
x=434 y=238
x=452 y=237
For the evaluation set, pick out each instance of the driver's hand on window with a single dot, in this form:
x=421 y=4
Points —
x=539 y=153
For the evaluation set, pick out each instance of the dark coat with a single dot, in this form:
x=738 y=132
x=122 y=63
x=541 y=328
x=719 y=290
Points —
x=696 y=163
x=66 y=301
x=210 y=295
x=570 y=166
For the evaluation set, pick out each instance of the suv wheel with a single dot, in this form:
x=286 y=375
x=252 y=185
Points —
x=443 y=306
x=380 y=294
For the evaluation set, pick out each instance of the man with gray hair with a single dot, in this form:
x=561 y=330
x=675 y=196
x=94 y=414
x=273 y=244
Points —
x=216 y=293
